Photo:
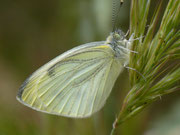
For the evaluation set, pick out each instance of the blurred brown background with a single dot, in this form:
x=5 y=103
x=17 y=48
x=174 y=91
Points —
x=32 y=32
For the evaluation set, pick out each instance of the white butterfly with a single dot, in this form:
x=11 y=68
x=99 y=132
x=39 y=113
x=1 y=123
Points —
x=78 y=82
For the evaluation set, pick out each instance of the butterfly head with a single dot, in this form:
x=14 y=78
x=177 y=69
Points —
x=118 y=35
x=120 y=45
x=115 y=37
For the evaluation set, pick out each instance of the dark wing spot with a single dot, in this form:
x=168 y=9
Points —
x=51 y=71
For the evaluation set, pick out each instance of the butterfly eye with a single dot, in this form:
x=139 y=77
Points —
x=118 y=35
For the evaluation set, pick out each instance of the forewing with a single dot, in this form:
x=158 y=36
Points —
x=75 y=84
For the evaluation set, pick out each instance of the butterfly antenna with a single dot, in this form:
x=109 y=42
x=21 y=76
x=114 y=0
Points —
x=115 y=12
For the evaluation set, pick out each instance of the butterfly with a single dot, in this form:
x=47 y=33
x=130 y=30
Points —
x=78 y=82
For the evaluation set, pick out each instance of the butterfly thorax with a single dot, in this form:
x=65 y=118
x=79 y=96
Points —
x=120 y=45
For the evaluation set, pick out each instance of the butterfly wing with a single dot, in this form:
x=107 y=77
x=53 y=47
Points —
x=74 y=84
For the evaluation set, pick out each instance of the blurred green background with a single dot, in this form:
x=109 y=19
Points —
x=32 y=32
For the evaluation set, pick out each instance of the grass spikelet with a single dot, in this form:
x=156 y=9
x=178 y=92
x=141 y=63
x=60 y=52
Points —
x=158 y=58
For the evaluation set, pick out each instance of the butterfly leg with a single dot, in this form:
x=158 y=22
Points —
x=134 y=70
